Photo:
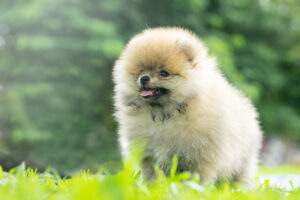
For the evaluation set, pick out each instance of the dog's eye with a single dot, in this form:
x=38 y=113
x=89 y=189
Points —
x=163 y=73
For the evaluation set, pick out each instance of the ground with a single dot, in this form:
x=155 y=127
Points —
x=22 y=183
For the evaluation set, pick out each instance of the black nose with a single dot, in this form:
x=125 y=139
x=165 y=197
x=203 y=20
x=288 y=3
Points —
x=145 y=79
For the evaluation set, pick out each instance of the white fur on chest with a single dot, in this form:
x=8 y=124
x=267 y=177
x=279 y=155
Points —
x=176 y=136
x=201 y=145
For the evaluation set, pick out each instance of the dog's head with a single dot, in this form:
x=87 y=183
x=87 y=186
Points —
x=161 y=69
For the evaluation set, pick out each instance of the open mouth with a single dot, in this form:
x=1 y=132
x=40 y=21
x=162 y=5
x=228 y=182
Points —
x=153 y=92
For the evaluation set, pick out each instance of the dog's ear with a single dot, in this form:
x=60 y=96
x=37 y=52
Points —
x=188 y=50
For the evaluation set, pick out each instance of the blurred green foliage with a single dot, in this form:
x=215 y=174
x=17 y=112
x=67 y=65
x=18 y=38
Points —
x=56 y=58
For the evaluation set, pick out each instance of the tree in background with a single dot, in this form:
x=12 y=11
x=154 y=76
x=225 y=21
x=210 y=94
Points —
x=56 y=59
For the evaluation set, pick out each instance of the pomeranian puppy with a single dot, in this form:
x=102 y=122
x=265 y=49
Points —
x=170 y=93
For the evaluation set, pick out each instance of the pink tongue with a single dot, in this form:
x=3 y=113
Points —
x=146 y=93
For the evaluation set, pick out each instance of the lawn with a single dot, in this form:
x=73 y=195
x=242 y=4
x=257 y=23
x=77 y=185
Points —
x=22 y=183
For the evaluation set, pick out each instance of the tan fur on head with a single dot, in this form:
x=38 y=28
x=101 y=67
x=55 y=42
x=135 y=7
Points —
x=193 y=112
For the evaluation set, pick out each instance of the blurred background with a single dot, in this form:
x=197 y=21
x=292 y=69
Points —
x=56 y=58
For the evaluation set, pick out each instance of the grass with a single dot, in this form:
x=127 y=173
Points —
x=283 y=169
x=22 y=183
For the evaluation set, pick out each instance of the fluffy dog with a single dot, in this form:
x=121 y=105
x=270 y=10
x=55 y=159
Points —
x=170 y=93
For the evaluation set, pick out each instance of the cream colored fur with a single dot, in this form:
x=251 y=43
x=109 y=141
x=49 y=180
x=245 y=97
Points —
x=208 y=123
